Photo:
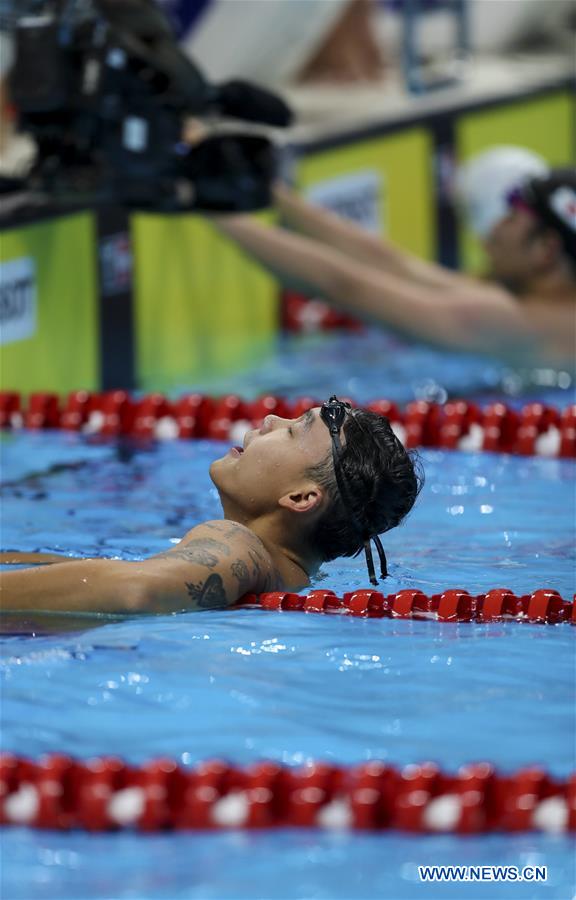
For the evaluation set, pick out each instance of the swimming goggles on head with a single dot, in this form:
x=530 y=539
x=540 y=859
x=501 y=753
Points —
x=333 y=414
x=517 y=199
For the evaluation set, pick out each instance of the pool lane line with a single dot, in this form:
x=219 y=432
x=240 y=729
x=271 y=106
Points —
x=536 y=429
x=542 y=606
x=108 y=794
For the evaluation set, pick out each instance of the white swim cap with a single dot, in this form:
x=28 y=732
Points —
x=483 y=183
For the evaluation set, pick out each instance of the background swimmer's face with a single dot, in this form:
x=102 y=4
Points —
x=274 y=461
x=517 y=248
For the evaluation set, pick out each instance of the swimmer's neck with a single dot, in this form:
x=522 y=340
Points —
x=295 y=564
x=557 y=287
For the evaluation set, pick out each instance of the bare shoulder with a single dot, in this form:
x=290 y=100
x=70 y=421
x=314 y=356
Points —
x=481 y=293
x=252 y=565
x=532 y=330
x=486 y=313
x=231 y=550
x=225 y=535
x=554 y=317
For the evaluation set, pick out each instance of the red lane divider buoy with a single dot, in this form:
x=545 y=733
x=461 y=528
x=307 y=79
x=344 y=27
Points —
x=542 y=606
x=104 y=794
x=456 y=425
x=43 y=411
x=10 y=410
x=303 y=315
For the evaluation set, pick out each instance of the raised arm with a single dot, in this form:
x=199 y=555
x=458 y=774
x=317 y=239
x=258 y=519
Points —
x=348 y=238
x=213 y=566
x=474 y=316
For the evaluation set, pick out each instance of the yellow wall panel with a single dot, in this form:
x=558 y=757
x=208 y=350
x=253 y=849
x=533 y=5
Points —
x=543 y=124
x=61 y=351
x=403 y=160
x=201 y=307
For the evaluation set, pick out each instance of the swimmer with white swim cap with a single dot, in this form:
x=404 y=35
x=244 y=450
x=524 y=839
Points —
x=483 y=183
x=298 y=493
x=525 y=312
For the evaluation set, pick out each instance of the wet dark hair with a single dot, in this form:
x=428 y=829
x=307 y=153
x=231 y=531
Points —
x=547 y=197
x=384 y=480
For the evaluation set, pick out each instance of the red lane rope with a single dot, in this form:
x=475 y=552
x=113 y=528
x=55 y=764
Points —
x=458 y=424
x=540 y=607
x=108 y=794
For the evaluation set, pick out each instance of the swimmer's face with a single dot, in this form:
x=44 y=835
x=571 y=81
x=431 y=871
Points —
x=273 y=463
x=517 y=248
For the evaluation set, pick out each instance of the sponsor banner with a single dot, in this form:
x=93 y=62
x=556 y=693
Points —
x=49 y=313
x=17 y=300
x=357 y=196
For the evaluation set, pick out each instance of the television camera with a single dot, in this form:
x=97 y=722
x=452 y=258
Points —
x=105 y=92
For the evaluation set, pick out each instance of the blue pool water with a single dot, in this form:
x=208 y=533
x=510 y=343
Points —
x=247 y=684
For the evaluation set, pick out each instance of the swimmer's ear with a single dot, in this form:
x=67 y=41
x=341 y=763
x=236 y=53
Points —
x=305 y=499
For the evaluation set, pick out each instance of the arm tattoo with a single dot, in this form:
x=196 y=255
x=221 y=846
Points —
x=262 y=572
x=202 y=551
x=241 y=574
x=255 y=557
x=209 y=594
x=191 y=554
x=226 y=527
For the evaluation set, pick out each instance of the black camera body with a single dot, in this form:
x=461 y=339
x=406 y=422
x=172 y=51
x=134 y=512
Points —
x=105 y=91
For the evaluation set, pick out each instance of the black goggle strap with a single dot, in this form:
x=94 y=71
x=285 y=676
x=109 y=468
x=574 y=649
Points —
x=333 y=414
x=381 y=557
x=370 y=559
x=345 y=494
x=370 y=562
x=343 y=486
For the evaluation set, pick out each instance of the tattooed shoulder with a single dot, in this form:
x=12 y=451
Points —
x=229 y=529
x=209 y=594
x=240 y=572
x=203 y=551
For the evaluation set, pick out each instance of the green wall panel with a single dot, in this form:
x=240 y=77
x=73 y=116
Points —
x=403 y=163
x=60 y=351
x=201 y=308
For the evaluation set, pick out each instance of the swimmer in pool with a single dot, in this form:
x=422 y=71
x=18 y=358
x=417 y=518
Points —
x=299 y=493
x=524 y=312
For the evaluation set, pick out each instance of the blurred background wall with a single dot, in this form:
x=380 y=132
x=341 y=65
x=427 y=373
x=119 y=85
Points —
x=274 y=40
x=389 y=97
